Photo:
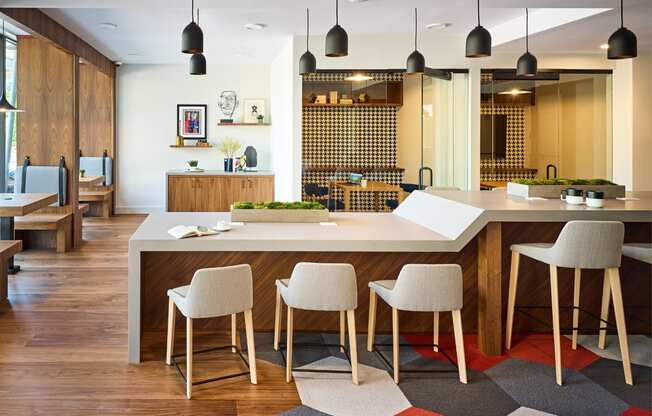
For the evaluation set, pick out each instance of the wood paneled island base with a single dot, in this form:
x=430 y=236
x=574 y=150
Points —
x=483 y=309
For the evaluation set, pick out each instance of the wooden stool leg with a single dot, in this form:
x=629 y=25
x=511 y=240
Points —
x=290 y=329
x=342 y=329
x=353 y=345
x=435 y=330
x=604 y=313
x=62 y=237
x=277 y=319
x=171 y=322
x=511 y=298
x=395 y=341
x=576 y=304
x=234 y=325
x=554 y=297
x=251 y=345
x=372 y=320
x=617 y=295
x=459 y=344
x=106 y=208
x=188 y=358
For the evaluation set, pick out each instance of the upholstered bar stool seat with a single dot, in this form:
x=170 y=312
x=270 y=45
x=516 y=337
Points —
x=639 y=251
x=220 y=291
x=319 y=287
x=580 y=245
x=421 y=288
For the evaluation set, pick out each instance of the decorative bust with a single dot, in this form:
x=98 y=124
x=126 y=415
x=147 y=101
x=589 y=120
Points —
x=227 y=103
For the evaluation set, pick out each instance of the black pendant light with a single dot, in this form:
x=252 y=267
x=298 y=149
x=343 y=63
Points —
x=478 y=43
x=527 y=63
x=5 y=106
x=416 y=63
x=192 y=38
x=337 y=41
x=622 y=43
x=198 y=60
x=307 y=63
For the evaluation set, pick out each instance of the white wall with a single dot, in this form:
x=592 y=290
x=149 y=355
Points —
x=642 y=131
x=146 y=117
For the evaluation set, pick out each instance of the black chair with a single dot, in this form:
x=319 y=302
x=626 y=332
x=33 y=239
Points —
x=312 y=190
x=407 y=187
x=321 y=194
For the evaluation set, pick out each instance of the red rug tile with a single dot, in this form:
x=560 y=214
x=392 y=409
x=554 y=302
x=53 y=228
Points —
x=415 y=411
x=636 y=411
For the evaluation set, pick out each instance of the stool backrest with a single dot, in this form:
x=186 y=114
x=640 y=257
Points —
x=98 y=166
x=323 y=287
x=429 y=288
x=42 y=179
x=589 y=245
x=220 y=291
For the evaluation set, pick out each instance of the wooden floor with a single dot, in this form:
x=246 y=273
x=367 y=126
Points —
x=63 y=343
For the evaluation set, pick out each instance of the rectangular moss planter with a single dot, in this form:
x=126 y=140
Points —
x=280 y=215
x=554 y=191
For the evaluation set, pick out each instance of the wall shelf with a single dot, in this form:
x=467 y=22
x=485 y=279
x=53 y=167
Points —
x=244 y=124
x=353 y=105
x=194 y=146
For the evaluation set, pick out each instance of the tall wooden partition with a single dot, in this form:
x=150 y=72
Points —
x=96 y=98
x=48 y=129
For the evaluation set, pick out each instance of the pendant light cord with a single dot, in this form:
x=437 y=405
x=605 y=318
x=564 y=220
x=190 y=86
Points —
x=622 y=24
x=415 y=28
x=307 y=29
x=478 y=12
x=527 y=31
x=192 y=10
x=337 y=12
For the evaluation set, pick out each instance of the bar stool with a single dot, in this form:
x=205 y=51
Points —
x=421 y=288
x=319 y=287
x=637 y=251
x=212 y=293
x=580 y=245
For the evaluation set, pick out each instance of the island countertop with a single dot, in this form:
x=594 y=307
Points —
x=183 y=172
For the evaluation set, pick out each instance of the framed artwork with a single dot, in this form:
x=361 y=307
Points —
x=252 y=109
x=191 y=121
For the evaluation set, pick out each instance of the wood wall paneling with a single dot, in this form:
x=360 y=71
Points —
x=96 y=126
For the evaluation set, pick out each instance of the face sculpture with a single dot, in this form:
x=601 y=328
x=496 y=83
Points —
x=228 y=102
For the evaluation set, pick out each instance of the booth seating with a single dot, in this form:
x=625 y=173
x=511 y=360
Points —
x=99 y=198
x=51 y=180
x=8 y=249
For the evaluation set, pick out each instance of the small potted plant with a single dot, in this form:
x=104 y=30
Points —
x=228 y=146
x=260 y=118
x=193 y=164
x=82 y=173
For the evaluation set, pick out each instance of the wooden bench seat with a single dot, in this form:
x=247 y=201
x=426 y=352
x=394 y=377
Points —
x=8 y=249
x=83 y=208
x=60 y=223
x=99 y=200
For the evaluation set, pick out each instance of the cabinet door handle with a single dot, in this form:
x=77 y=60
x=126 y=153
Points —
x=242 y=184
x=251 y=184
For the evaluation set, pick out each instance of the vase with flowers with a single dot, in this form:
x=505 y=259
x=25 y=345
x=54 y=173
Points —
x=228 y=146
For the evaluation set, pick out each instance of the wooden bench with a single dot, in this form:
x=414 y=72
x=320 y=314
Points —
x=99 y=200
x=83 y=208
x=60 y=223
x=8 y=249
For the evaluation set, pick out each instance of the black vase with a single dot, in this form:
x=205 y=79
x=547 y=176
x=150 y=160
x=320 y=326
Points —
x=228 y=164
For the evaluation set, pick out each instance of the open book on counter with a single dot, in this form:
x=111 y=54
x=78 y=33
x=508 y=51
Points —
x=186 y=231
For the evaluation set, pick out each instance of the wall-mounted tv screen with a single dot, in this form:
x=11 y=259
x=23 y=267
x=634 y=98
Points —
x=493 y=136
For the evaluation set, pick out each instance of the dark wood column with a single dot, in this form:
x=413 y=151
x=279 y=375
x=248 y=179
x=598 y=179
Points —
x=490 y=289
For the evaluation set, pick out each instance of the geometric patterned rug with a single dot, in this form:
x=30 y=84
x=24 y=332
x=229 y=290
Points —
x=519 y=383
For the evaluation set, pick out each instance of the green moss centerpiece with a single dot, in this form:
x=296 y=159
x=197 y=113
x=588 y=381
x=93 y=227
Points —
x=551 y=188
x=276 y=211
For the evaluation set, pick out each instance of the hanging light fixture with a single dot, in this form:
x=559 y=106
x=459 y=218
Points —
x=198 y=60
x=622 y=43
x=5 y=106
x=527 y=63
x=478 y=43
x=192 y=38
x=307 y=63
x=337 y=41
x=416 y=63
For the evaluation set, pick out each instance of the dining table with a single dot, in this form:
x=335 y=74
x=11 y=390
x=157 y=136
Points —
x=18 y=205
x=376 y=187
x=90 y=181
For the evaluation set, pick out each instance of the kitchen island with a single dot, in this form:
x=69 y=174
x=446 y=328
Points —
x=473 y=229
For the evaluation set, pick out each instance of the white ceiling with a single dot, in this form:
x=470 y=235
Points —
x=149 y=30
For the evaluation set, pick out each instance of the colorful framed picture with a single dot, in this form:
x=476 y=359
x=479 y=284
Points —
x=253 y=108
x=191 y=121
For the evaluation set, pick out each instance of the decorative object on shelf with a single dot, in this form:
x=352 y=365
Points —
x=197 y=60
x=622 y=43
x=192 y=38
x=306 y=212
x=5 y=106
x=332 y=97
x=241 y=163
x=252 y=109
x=228 y=103
x=191 y=121
x=363 y=98
x=313 y=98
x=346 y=101
x=228 y=146
x=82 y=173
x=179 y=141
x=337 y=41
x=478 y=43
x=321 y=99
x=260 y=119
x=416 y=63
x=252 y=157
x=527 y=63
x=308 y=62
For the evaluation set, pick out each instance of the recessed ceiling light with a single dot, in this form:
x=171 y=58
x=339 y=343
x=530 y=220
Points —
x=358 y=77
x=604 y=46
x=108 y=25
x=515 y=92
x=255 y=26
x=438 y=25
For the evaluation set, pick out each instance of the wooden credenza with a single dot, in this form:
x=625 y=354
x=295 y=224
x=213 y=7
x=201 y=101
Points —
x=209 y=193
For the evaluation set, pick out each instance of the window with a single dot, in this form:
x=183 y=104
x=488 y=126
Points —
x=9 y=160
